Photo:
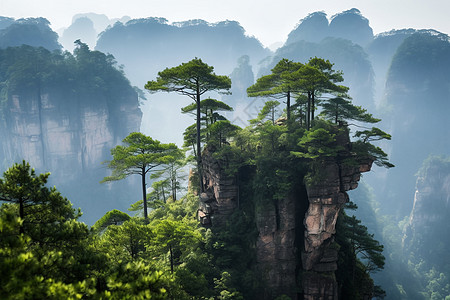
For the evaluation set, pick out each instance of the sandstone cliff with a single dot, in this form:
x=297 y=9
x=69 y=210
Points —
x=425 y=236
x=221 y=196
x=57 y=133
x=326 y=198
x=63 y=114
x=295 y=250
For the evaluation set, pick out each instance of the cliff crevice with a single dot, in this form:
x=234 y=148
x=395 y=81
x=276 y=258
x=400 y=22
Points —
x=295 y=250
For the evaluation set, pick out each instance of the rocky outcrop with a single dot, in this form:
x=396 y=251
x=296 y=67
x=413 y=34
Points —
x=63 y=114
x=295 y=250
x=425 y=236
x=326 y=198
x=221 y=196
x=65 y=137
x=276 y=248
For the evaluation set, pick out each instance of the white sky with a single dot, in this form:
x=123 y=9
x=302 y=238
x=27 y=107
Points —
x=268 y=20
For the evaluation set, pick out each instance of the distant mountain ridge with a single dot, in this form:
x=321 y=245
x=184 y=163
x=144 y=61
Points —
x=350 y=25
x=153 y=44
x=34 y=32
x=401 y=76
x=63 y=113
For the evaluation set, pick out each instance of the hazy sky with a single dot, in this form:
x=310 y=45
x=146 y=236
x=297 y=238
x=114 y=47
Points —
x=268 y=20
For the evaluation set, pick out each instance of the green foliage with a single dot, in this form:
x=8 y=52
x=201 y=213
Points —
x=135 y=280
x=282 y=83
x=207 y=107
x=367 y=150
x=339 y=109
x=51 y=258
x=360 y=254
x=22 y=186
x=172 y=176
x=167 y=254
x=160 y=191
x=87 y=78
x=225 y=292
x=192 y=79
x=318 y=77
x=113 y=217
x=139 y=156
x=268 y=112
x=277 y=84
x=186 y=78
x=46 y=217
x=318 y=143
x=190 y=137
x=231 y=248
x=220 y=131
x=374 y=134
x=125 y=242
x=173 y=236
x=364 y=149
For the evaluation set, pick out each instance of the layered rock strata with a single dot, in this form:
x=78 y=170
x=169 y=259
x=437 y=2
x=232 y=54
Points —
x=295 y=250
x=425 y=236
x=326 y=198
x=66 y=137
x=221 y=196
x=276 y=248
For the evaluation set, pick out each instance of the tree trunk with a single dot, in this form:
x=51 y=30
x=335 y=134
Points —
x=308 y=113
x=199 y=153
x=206 y=125
x=313 y=108
x=21 y=215
x=273 y=115
x=144 y=193
x=173 y=180
x=336 y=116
x=288 y=106
x=301 y=117
x=171 y=258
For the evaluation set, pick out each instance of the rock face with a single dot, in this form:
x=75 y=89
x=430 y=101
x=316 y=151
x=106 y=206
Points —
x=295 y=250
x=68 y=139
x=276 y=248
x=63 y=114
x=326 y=198
x=417 y=71
x=221 y=196
x=426 y=235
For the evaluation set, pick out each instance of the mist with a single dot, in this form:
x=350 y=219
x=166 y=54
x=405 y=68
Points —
x=400 y=76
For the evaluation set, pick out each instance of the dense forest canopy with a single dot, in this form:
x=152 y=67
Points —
x=65 y=111
x=167 y=248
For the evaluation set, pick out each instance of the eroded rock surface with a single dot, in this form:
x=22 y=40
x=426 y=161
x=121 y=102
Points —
x=66 y=137
x=276 y=249
x=326 y=198
x=221 y=196
x=295 y=250
x=426 y=234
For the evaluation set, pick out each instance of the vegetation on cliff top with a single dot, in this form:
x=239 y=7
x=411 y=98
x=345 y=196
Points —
x=167 y=254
